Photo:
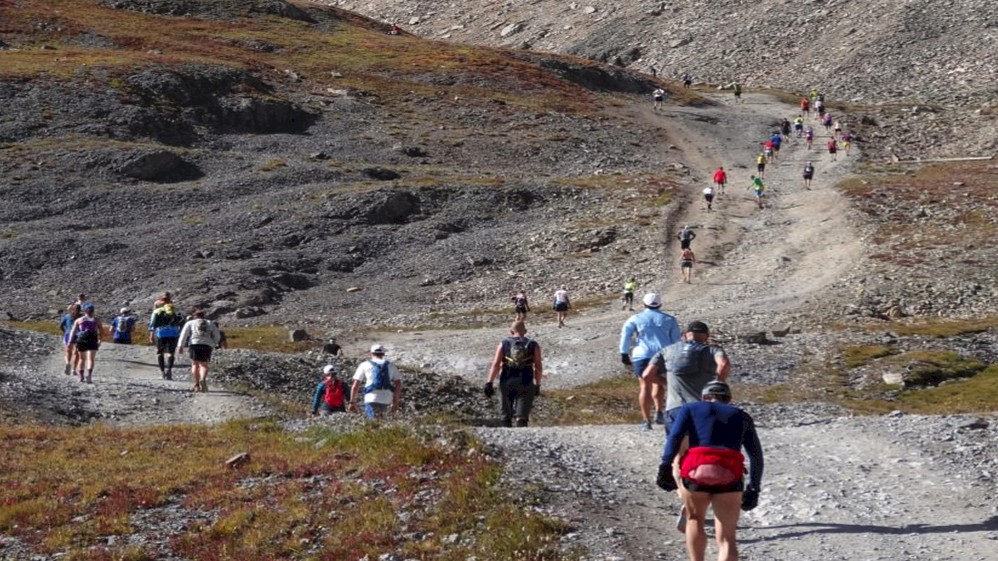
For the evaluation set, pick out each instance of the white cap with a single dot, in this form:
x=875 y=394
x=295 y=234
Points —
x=378 y=349
x=124 y=311
x=328 y=369
x=652 y=300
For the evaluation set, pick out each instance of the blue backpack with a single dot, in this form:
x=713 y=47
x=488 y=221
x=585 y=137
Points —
x=381 y=378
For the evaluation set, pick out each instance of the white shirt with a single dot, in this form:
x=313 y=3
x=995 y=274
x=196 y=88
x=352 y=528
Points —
x=708 y=191
x=561 y=296
x=365 y=374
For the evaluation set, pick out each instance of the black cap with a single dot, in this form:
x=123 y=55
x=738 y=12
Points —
x=717 y=389
x=698 y=327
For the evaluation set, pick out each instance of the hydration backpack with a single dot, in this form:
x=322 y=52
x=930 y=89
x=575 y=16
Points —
x=201 y=328
x=520 y=354
x=335 y=394
x=87 y=331
x=381 y=378
x=122 y=325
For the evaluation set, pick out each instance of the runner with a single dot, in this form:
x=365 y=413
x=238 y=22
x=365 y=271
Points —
x=649 y=331
x=833 y=148
x=808 y=175
x=819 y=106
x=201 y=336
x=520 y=305
x=708 y=195
x=686 y=261
x=685 y=237
x=658 y=95
x=777 y=141
x=720 y=178
x=712 y=469
x=379 y=382
x=518 y=366
x=87 y=331
x=628 y=297
x=785 y=128
x=561 y=305
x=687 y=81
x=760 y=164
x=809 y=137
x=805 y=107
x=759 y=188
x=122 y=326
x=164 y=328
x=826 y=121
x=799 y=125
x=331 y=395
x=837 y=128
x=847 y=142
x=73 y=313
x=738 y=93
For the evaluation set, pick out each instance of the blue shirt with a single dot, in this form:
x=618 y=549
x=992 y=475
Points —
x=717 y=425
x=651 y=330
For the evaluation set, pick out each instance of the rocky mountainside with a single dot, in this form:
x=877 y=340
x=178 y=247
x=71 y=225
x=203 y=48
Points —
x=923 y=70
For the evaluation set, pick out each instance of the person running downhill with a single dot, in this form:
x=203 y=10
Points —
x=561 y=305
x=712 y=469
x=720 y=179
x=759 y=188
x=201 y=337
x=649 y=331
x=88 y=332
x=658 y=95
x=73 y=313
x=628 y=297
x=808 y=174
x=686 y=261
x=708 y=195
x=518 y=366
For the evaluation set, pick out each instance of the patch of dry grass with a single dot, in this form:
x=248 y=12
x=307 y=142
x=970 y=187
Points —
x=320 y=495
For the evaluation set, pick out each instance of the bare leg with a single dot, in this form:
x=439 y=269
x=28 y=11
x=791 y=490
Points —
x=726 y=510
x=696 y=505
x=658 y=397
x=645 y=398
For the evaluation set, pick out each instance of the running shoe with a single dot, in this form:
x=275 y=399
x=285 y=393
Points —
x=659 y=418
x=645 y=425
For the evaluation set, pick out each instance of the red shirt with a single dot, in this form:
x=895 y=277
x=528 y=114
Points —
x=720 y=176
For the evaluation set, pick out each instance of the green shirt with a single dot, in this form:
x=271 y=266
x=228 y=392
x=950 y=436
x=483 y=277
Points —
x=629 y=287
x=757 y=184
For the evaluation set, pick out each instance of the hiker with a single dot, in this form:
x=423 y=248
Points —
x=819 y=106
x=687 y=80
x=164 y=329
x=809 y=137
x=767 y=151
x=826 y=121
x=837 y=129
x=649 y=331
x=87 y=332
x=805 y=107
x=518 y=366
x=332 y=348
x=759 y=188
x=73 y=313
x=658 y=95
x=331 y=394
x=760 y=164
x=799 y=125
x=520 y=305
x=122 y=326
x=686 y=366
x=654 y=71
x=833 y=148
x=785 y=128
x=164 y=299
x=561 y=305
x=708 y=195
x=847 y=139
x=686 y=261
x=380 y=383
x=712 y=469
x=628 y=297
x=395 y=30
x=738 y=93
x=808 y=174
x=777 y=141
x=201 y=337
x=685 y=237
x=720 y=179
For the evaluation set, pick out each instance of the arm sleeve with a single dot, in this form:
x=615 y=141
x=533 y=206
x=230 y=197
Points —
x=184 y=333
x=626 y=336
x=676 y=433
x=317 y=398
x=750 y=440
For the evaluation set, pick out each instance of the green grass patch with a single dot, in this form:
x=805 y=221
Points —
x=317 y=495
x=941 y=328
x=858 y=355
x=931 y=368
x=611 y=400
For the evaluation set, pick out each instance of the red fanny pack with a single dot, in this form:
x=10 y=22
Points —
x=713 y=466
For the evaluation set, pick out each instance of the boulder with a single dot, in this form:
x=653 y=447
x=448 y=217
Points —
x=381 y=174
x=158 y=166
x=297 y=335
x=753 y=337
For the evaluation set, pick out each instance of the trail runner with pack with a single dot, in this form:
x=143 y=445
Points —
x=808 y=174
x=519 y=369
x=331 y=395
x=711 y=470
x=199 y=337
x=164 y=330
x=520 y=305
x=628 y=297
x=87 y=332
x=642 y=336
x=685 y=237
x=379 y=381
x=122 y=326
x=738 y=93
x=561 y=305
x=73 y=313
x=658 y=95
x=708 y=196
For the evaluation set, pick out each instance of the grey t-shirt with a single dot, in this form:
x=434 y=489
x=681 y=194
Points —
x=688 y=366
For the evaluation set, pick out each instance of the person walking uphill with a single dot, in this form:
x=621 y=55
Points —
x=87 y=332
x=518 y=366
x=712 y=470
x=73 y=313
x=561 y=305
x=164 y=327
x=628 y=297
x=685 y=237
x=649 y=332
x=382 y=385
x=122 y=326
x=201 y=337
x=331 y=395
